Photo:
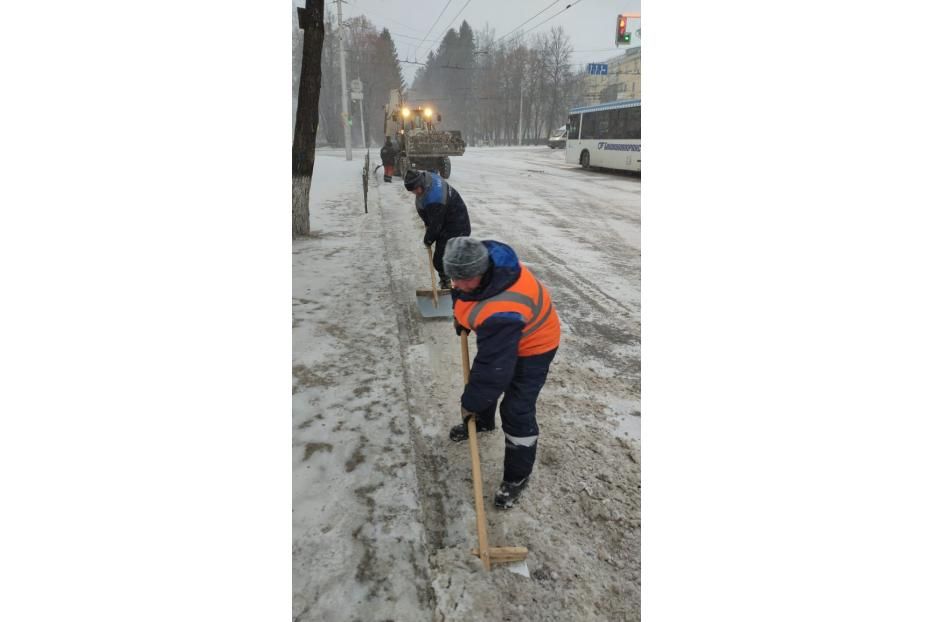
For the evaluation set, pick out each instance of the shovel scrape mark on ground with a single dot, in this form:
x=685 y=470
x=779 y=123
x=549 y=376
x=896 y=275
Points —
x=357 y=458
x=310 y=448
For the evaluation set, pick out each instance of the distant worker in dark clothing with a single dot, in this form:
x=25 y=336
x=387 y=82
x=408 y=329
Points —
x=388 y=153
x=443 y=211
x=517 y=335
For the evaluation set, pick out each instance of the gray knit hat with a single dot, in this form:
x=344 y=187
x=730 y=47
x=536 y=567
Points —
x=465 y=257
x=414 y=179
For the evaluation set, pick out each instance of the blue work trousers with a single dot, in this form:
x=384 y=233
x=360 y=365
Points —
x=518 y=410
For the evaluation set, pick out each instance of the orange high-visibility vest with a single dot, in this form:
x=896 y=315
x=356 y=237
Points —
x=528 y=298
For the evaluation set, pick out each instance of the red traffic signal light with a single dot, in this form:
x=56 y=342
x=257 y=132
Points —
x=621 y=35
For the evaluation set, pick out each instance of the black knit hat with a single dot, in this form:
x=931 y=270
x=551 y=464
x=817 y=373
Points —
x=465 y=258
x=414 y=179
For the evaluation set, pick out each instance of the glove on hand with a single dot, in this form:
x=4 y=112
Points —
x=459 y=328
x=466 y=414
x=426 y=243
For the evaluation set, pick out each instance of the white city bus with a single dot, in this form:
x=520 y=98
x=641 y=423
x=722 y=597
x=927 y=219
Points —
x=606 y=135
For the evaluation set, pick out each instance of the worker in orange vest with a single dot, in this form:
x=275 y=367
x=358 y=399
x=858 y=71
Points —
x=517 y=335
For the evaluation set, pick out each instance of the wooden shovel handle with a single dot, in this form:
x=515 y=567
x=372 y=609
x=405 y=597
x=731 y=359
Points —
x=431 y=270
x=478 y=495
x=475 y=464
x=465 y=357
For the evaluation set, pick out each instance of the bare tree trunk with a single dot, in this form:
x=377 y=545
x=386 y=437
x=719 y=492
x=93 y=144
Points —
x=311 y=20
x=301 y=215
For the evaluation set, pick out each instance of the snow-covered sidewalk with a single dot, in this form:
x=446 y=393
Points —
x=358 y=541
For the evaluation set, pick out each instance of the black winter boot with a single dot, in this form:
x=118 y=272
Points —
x=509 y=492
x=459 y=432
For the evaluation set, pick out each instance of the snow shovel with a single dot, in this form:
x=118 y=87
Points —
x=434 y=302
x=513 y=555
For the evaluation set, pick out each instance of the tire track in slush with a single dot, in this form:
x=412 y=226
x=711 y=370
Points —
x=552 y=210
x=577 y=190
x=595 y=332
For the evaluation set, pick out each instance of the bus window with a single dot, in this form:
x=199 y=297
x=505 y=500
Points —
x=588 y=129
x=602 y=124
x=573 y=127
x=617 y=124
x=632 y=121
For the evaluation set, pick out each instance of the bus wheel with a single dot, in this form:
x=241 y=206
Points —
x=585 y=159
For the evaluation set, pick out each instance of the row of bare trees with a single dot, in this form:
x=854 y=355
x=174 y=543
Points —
x=483 y=86
x=486 y=87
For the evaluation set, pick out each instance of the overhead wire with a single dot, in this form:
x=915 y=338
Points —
x=595 y=50
x=539 y=24
x=457 y=15
x=525 y=22
x=396 y=34
x=366 y=11
x=566 y=8
x=432 y=27
x=393 y=31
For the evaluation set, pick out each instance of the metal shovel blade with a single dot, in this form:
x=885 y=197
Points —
x=425 y=298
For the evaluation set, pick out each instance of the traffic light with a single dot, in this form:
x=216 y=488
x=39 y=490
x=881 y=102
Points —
x=622 y=37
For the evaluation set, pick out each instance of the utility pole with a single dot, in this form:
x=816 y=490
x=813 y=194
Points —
x=521 y=95
x=362 y=123
x=343 y=83
x=356 y=94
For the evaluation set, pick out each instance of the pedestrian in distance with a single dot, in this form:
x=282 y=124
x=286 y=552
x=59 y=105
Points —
x=443 y=212
x=388 y=153
x=517 y=335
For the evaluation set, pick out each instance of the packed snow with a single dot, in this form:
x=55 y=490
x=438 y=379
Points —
x=383 y=516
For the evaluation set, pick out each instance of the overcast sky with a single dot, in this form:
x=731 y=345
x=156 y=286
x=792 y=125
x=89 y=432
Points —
x=588 y=23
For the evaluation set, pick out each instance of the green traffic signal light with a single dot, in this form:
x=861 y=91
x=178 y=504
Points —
x=622 y=36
